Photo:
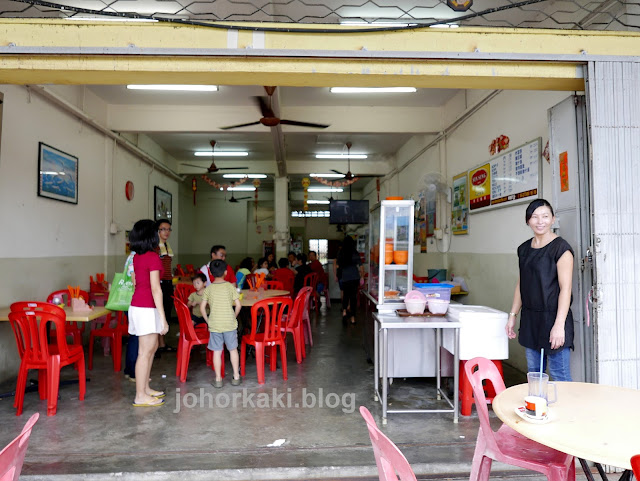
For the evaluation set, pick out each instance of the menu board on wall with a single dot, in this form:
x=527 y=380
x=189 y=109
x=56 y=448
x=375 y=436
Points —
x=510 y=178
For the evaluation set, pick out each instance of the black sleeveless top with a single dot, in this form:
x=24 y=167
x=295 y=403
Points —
x=539 y=290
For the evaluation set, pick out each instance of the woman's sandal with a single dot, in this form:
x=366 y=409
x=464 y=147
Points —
x=150 y=404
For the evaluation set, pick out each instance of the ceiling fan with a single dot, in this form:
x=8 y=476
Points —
x=233 y=200
x=213 y=168
x=268 y=118
x=349 y=175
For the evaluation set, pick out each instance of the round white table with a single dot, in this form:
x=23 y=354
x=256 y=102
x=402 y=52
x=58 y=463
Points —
x=590 y=421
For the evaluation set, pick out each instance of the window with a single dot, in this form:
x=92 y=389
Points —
x=321 y=246
x=309 y=213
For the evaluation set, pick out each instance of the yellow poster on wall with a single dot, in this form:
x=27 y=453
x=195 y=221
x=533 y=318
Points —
x=479 y=187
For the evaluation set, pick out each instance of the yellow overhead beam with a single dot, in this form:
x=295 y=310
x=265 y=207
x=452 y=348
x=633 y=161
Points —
x=212 y=55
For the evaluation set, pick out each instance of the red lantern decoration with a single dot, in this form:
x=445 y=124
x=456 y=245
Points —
x=194 y=188
x=305 y=184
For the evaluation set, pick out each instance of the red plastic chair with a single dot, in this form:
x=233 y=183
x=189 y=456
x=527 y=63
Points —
x=12 y=456
x=287 y=277
x=183 y=291
x=179 y=271
x=311 y=280
x=293 y=324
x=273 y=285
x=114 y=333
x=38 y=354
x=273 y=310
x=420 y=279
x=504 y=447
x=190 y=336
x=389 y=458
x=306 y=321
x=635 y=464
x=190 y=270
x=75 y=329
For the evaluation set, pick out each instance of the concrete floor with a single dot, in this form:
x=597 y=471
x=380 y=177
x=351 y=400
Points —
x=267 y=432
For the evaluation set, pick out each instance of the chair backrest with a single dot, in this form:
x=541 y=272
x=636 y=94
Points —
x=389 y=458
x=180 y=271
x=190 y=270
x=184 y=319
x=299 y=304
x=478 y=370
x=26 y=334
x=635 y=464
x=183 y=291
x=311 y=280
x=31 y=329
x=64 y=295
x=273 y=310
x=273 y=285
x=12 y=456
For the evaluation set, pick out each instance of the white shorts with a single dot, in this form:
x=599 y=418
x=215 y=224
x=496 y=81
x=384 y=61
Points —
x=144 y=320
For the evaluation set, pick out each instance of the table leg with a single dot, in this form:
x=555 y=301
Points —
x=456 y=373
x=385 y=369
x=376 y=360
x=587 y=471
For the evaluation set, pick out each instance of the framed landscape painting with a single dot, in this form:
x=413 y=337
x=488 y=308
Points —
x=57 y=174
x=162 y=203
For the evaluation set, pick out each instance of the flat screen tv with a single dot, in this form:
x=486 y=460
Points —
x=349 y=212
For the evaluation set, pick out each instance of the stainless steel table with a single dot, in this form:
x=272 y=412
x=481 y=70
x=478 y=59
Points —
x=390 y=320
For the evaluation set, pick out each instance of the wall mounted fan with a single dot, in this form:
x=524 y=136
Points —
x=268 y=118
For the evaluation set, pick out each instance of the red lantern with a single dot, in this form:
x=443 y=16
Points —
x=194 y=188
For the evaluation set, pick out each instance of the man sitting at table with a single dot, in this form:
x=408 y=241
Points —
x=284 y=275
x=316 y=266
x=302 y=269
x=219 y=252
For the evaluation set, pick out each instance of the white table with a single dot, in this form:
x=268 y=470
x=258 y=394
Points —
x=390 y=320
x=590 y=421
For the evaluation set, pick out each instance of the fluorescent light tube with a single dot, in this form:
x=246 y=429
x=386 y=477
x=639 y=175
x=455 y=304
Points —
x=242 y=176
x=372 y=90
x=377 y=24
x=110 y=19
x=184 y=88
x=317 y=202
x=241 y=188
x=445 y=25
x=221 y=153
x=328 y=176
x=324 y=189
x=341 y=156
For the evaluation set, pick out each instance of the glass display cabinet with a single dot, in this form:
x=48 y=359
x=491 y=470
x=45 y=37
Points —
x=391 y=253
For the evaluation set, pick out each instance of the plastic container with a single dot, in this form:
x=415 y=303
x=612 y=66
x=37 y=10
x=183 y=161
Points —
x=440 y=291
x=438 y=306
x=415 y=306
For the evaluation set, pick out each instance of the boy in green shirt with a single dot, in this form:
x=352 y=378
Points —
x=222 y=297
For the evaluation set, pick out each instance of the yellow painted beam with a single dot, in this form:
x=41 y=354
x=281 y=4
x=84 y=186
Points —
x=313 y=64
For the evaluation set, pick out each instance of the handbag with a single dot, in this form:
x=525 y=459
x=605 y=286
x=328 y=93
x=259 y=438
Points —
x=121 y=292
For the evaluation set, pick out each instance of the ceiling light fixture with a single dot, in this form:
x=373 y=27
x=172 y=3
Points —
x=325 y=189
x=220 y=153
x=179 y=88
x=444 y=25
x=372 y=90
x=242 y=176
x=110 y=19
x=328 y=176
x=317 y=202
x=240 y=189
x=340 y=156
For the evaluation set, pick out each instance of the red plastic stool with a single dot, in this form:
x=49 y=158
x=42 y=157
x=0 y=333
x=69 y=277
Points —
x=466 y=391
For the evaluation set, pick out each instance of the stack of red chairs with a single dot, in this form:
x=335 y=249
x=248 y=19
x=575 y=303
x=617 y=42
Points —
x=179 y=271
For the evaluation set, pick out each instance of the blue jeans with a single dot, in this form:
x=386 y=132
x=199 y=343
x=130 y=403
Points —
x=558 y=362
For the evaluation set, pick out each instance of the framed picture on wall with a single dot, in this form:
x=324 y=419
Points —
x=57 y=174
x=162 y=203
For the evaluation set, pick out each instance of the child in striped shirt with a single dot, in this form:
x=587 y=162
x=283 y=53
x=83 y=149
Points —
x=224 y=305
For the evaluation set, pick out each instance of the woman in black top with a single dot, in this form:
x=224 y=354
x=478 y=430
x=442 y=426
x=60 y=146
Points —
x=351 y=274
x=544 y=294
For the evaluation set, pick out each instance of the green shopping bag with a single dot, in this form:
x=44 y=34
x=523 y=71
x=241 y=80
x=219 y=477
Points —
x=121 y=292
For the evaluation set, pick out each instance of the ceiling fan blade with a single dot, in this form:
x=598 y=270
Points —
x=238 y=126
x=265 y=110
x=303 y=124
x=337 y=171
x=364 y=176
x=196 y=166
x=233 y=168
x=244 y=198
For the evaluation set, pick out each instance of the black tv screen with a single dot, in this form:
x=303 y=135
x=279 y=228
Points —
x=349 y=212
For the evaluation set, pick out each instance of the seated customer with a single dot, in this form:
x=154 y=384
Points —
x=284 y=275
x=195 y=298
x=316 y=266
x=302 y=269
x=263 y=267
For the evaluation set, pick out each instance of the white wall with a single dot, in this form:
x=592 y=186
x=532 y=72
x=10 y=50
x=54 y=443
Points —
x=49 y=244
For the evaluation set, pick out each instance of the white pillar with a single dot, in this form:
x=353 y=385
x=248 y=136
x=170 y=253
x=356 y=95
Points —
x=282 y=214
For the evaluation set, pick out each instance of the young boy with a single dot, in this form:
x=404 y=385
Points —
x=221 y=296
x=195 y=298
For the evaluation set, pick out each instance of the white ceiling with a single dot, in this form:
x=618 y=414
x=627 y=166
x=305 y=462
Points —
x=372 y=123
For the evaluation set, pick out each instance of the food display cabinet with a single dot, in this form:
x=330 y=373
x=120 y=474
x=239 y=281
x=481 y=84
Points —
x=391 y=253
